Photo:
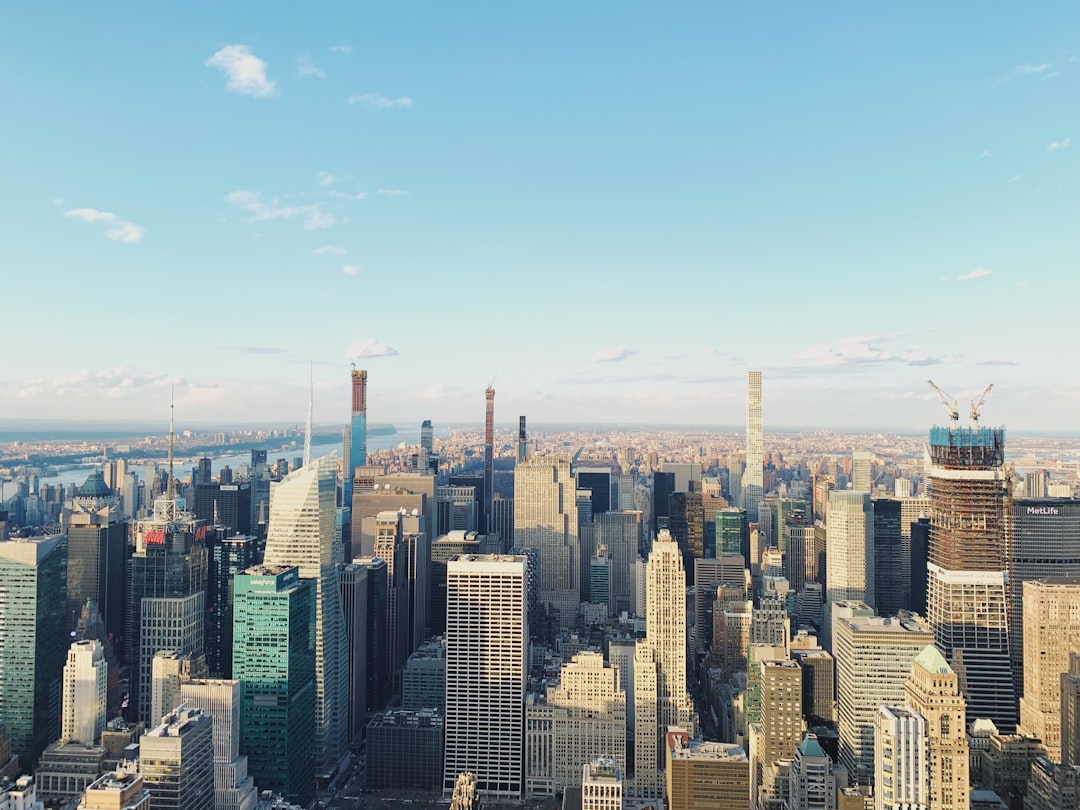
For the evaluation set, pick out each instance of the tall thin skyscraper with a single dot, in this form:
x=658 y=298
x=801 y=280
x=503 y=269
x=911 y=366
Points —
x=301 y=533
x=523 y=442
x=849 y=556
x=96 y=554
x=754 y=476
x=966 y=575
x=85 y=685
x=356 y=446
x=489 y=456
x=665 y=632
x=486 y=642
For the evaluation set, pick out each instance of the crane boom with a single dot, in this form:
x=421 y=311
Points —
x=951 y=407
x=976 y=404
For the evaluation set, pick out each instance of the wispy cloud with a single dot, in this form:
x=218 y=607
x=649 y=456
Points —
x=305 y=69
x=351 y=269
x=257 y=208
x=245 y=72
x=985 y=154
x=978 y=272
x=865 y=351
x=329 y=250
x=613 y=354
x=328 y=179
x=1016 y=178
x=997 y=363
x=344 y=195
x=340 y=48
x=119 y=230
x=378 y=102
x=392 y=192
x=369 y=347
x=1054 y=146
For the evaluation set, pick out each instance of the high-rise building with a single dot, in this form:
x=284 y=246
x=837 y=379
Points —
x=229 y=556
x=705 y=774
x=873 y=659
x=379 y=676
x=275 y=662
x=301 y=533
x=781 y=710
x=176 y=760
x=812 y=783
x=663 y=485
x=589 y=716
x=224 y=504
x=1043 y=541
x=601 y=785
x=901 y=762
x=486 y=641
x=665 y=632
x=356 y=443
x=545 y=518
x=1051 y=609
x=619 y=532
x=85 y=686
x=967 y=571
x=890 y=589
x=1052 y=787
x=598 y=480
x=862 y=471
x=402 y=736
x=849 y=559
x=800 y=558
x=353 y=579
x=234 y=789
x=732 y=532
x=116 y=790
x=933 y=690
x=166 y=606
x=523 y=442
x=97 y=540
x=1070 y=711
x=33 y=641
x=754 y=477
x=489 y=455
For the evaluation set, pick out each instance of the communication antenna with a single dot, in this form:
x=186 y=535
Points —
x=310 y=401
x=976 y=404
x=951 y=408
x=172 y=437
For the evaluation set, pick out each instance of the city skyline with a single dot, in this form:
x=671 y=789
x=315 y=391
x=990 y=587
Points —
x=846 y=175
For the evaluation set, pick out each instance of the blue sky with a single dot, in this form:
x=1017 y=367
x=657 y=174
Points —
x=618 y=207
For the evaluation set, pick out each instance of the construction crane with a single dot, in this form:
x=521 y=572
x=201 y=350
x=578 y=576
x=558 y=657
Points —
x=978 y=403
x=954 y=411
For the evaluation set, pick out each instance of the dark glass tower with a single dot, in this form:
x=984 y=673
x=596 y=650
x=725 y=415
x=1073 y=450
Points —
x=229 y=556
x=97 y=550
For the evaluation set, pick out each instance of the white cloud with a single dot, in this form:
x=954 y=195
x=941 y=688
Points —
x=862 y=351
x=246 y=73
x=317 y=220
x=119 y=230
x=340 y=48
x=613 y=354
x=369 y=347
x=393 y=192
x=257 y=208
x=328 y=179
x=1016 y=178
x=978 y=272
x=329 y=249
x=377 y=102
x=306 y=70
x=344 y=195
x=1031 y=70
x=986 y=153
x=351 y=269
x=1064 y=143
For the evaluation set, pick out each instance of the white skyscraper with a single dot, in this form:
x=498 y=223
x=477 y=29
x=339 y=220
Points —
x=301 y=533
x=754 y=476
x=85 y=685
x=233 y=788
x=486 y=642
x=849 y=551
x=900 y=760
x=546 y=518
x=861 y=471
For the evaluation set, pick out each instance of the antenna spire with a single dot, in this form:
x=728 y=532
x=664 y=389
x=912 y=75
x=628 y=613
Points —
x=172 y=436
x=310 y=402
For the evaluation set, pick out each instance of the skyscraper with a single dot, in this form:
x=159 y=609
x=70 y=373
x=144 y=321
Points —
x=486 y=641
x=754 y=476
x=229 y=556
x=849 y=558
x=356 y=446
x=354 y=600
x=275 y=662
x=222 y=700
x=933 y=690
x=85 y=684
x=301 y=533
x=900 y=759
x=967 y=574
x=665 y=632
x=96 y=554
x=891 y=591
x=489 y=455
x=176 y=760
x=545 y=518
x=861 y=471
x=33 y=641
